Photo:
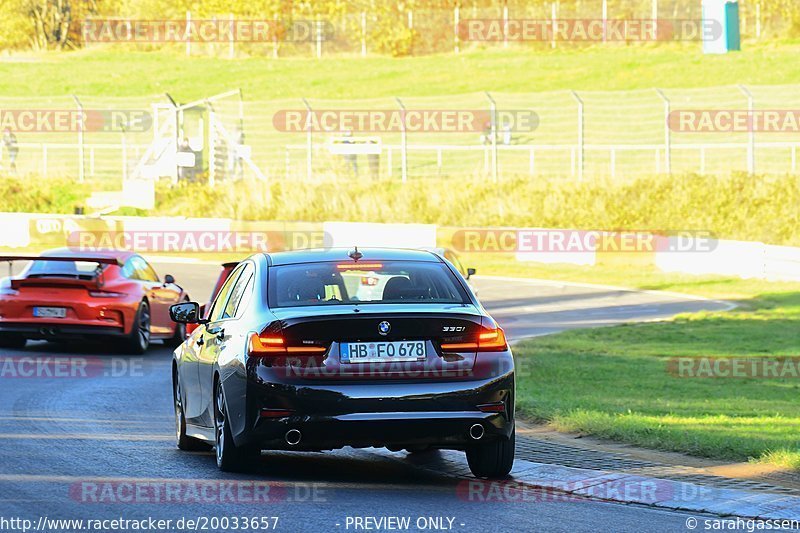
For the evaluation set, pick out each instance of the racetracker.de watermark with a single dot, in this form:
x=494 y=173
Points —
x=205 y=31
x=69 y=367
x=197 y=241
x=191 y=491
x=533 y=240
x=35 y=120
x=315 y=367
x=735 y=367
x=409 y=120
x=628 y=489
x=734 y=121
x=589 y=30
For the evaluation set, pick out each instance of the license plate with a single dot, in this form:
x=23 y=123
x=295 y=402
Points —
x=379 y=352
x=50 y=312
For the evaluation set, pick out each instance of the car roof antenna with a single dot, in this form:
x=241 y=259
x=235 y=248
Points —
x=355 y=255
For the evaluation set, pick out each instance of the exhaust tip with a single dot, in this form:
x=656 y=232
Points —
x=476 y=431
x=293 y=437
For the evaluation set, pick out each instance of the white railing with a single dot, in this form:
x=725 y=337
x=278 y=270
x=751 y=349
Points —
x=659 y=166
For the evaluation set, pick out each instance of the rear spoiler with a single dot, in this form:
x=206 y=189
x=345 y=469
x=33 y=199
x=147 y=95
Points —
x=96 y=283
x=84 y=259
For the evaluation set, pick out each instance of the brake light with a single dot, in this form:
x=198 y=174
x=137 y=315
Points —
x=493 y=340
x=275 y=345
x=459 y=346
x=359 y=266
x=105 y=294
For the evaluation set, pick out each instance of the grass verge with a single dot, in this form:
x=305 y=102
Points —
x=736 y=207
x=614 y=382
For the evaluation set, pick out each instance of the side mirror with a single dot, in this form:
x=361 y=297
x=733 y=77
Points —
x=191 y=327
x=169 y=279
x=186 y=313
x=470 y=272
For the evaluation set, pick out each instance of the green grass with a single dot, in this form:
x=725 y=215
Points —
x=635 y=275
x=739 y=207
x=613 y=382
x=117 y=72
x=529 y=80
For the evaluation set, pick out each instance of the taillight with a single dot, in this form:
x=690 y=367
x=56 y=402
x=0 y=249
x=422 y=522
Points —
x=105 y=294
x=275 y=345
x=493 y=340
x=459 y=346
x=489 y=340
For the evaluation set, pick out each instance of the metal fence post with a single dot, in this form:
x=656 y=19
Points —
x=605 y=19
x=318 y=38
x=363 y=34
x=81 y=159
x=580 y=134
x=493 y=111
x=212 y=151
x=655 y=18
x=456 y=21
x=231 y=38
x=505 y=24
x=188 y=33
x=124 y=155
x=309 y=145
x=758 y=20
x=403 y=141
x=177 y=122
x=667 y=132
x=751 y=136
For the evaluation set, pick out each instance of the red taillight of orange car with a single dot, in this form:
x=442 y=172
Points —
x=275 y=345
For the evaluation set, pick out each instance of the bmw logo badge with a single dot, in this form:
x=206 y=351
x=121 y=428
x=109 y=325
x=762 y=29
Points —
x=384 y=327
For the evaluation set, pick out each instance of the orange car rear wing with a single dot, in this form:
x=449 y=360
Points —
x=71 y=258
x=51 y=281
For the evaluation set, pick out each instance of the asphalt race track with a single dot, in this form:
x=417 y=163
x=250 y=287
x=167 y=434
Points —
x=100 y=445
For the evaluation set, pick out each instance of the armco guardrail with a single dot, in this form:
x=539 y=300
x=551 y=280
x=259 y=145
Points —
x=722 y=257
x=737 y=258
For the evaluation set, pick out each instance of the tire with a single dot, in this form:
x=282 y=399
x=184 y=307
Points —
x=493 y=459
x=139 y=338
x=11 y=341
x=230 y=458
x=182 y=440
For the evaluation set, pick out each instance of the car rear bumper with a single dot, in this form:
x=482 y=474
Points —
x=447 y=429
x=394 y=415
x=51 y=329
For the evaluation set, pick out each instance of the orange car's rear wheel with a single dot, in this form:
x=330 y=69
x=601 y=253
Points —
x=139 y=337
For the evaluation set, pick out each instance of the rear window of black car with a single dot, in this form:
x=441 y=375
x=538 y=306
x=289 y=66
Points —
x=332 y=283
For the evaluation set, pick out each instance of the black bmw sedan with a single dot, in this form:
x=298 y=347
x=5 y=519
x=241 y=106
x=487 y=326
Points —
x=320 y=349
